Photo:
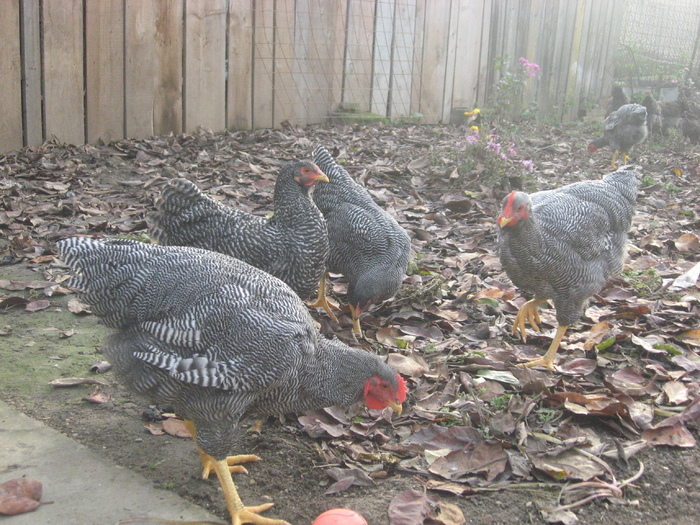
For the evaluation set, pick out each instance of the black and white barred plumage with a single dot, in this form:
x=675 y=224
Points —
x=623 y=129
x=569 y=241
x=212 y=336
x=291 y=245
x=367 y=245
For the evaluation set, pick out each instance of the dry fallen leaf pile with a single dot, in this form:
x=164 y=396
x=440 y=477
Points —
x=628 y=372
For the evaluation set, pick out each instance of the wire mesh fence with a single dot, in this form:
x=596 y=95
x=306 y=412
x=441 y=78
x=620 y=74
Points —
x=660 y=43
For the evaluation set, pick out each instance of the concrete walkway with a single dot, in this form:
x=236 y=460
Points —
x=85 y=489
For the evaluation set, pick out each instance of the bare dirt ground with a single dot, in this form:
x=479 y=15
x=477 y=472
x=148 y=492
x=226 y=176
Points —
x=497 y=442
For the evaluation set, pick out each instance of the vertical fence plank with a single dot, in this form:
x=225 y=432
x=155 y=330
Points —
x=402 y=64
x=435 y=51
x=263 y=64
x=383 y=35
x=563 y=19
x=63 y=70
x=10 y=78
x=534 y=45
x=485 y=67
x=611 y=41
x=240 y=64
x=205 y=64
x=153 y=58
x=358 y=53
x=572 y=83
x=140 y=67
x=418 y=49
x=168 y=111
x=319 y=40
x=104 y=55
x=287 y=105
x=470 y=15
x=31 y=66
x=450 y=63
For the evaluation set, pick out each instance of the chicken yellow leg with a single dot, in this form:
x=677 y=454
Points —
x=548 y=358
x=356 y=328
x=322 y=300
x=612 y=164
x=240 y=514
x=528 y=312
x=233 y=462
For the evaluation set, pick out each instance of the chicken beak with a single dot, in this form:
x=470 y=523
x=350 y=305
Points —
x=504 y=221
x=396 y=407
x=323 y=177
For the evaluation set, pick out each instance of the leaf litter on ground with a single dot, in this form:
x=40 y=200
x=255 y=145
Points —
x=474 y=421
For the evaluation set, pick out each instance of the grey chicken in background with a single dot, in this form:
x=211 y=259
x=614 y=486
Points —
x=564 y=244
x=367 y=245
x=671 y=113
x=654 y=121
x=690 y=130
x=622 y=131
x=217 y=338
x=617 y=100
x=291 y=245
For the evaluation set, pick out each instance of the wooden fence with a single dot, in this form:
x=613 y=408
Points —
x=85 y=70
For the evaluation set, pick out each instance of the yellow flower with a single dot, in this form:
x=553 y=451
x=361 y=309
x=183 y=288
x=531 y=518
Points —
x=472 y=112
x=474 y=128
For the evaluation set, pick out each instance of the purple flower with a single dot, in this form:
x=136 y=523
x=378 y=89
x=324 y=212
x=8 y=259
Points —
x=528 y=166
x=530 y=67
x=511 y=150
x=495 y=147
x=471 y=140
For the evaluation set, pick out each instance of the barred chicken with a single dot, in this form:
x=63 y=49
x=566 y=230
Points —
x=623 y=130
x=291 y=245
x=671 y=114
x=217 y=338
x=367 y=245
x=654 y=121
x=617 y=100
x=563 y=245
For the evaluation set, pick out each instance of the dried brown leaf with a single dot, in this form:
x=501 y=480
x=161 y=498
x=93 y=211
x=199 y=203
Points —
x=176 y=427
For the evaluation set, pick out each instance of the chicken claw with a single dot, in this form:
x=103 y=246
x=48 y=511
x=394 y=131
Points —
x=233 y=462
x=528 y=312
x=322 y=300
x=240 y=513
x=548 y=358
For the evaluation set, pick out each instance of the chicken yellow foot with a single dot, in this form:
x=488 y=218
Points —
x=257 y=426
x=322 y=300
x=240 y=513
x=548 y=358
x=224 y=468
x=528 y=312
x=233 y=462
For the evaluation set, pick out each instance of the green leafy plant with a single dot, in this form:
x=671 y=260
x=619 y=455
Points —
x=644 y=282
x=508 y=91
